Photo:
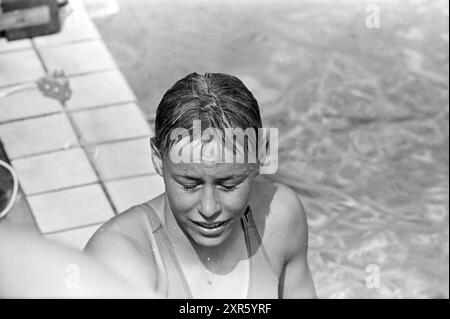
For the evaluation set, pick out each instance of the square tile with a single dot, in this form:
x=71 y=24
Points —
x=77 y=58
x=37 y=135
x=25 y=104
x=129 y=192
x=122 y=159
x=19 y=66
x=111 y=123
x=75 y=238
x=76 y=27
x=97 y=89
x=6 y=45
x=70 y=208
x=53 y=171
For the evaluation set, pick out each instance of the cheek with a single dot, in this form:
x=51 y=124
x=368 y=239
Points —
x=236 y=201
x=181 y=202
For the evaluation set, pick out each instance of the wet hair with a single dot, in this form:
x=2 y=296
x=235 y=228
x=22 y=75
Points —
x=217 y=100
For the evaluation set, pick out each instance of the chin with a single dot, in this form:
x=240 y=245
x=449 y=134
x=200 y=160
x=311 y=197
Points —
x=209 y=241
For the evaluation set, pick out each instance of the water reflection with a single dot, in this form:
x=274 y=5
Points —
x=362 y=114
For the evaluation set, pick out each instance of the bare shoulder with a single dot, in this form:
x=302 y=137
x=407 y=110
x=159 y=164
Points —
x=126 y=227
x=282 y=218
x=122 y=244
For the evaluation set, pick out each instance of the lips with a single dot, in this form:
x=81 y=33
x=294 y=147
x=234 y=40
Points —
x=212 y=225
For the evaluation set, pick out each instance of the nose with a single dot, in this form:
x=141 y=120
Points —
x=210 y=207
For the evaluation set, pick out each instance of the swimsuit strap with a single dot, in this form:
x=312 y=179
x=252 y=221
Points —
x=163 y=240
x=249 y=254
x=250 y=222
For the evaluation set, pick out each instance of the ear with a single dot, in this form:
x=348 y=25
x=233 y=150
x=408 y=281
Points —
x=156 y=157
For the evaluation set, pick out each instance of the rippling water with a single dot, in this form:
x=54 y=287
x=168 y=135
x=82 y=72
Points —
x=363 y=118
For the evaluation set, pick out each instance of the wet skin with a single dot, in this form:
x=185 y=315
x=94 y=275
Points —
x=207 y=201
x=201 y=210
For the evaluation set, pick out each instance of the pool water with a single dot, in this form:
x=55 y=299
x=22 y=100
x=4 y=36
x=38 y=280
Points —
x=362 y=112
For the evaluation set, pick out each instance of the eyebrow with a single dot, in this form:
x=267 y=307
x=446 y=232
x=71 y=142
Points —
x=189 y=177
x=230 y=177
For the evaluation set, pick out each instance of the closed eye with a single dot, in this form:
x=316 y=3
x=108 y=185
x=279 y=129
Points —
x=190 y=188
x=229 y=188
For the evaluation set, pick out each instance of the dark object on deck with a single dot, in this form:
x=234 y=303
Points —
x=55 y=86
x=21 y=19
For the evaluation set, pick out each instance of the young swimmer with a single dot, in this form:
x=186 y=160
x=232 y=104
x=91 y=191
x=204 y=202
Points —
x=220 y=230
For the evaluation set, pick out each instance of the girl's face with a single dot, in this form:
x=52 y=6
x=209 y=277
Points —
x=208 y=199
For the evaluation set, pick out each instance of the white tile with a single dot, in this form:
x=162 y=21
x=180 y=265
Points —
x=79 y=57
x=54 y=171
x=70 y=208
x=111 y=123
x=123 y=159
x=76 y=27
x=26 y=104
x=19 y=66
x=37 y=135
x=75 y=238
x=128 y=192
x=97 y=89
x=6 y=45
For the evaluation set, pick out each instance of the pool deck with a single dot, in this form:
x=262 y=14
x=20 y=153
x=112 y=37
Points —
x=362 y=116
x=81 y=162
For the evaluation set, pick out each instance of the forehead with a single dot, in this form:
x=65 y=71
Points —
x=210 y=170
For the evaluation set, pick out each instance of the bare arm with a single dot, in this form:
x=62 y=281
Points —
x=123 y=256
x=31 y=267
x=296 y=279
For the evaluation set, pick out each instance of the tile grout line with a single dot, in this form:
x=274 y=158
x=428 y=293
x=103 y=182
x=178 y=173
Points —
x=78 y=135
x=69 y=42
x=14 y=50
x=60 y=231
x=116 y=179
x=79 y=145
x=70 y=113
x=69 y=110
x=49 y=45
x=91 y=160
x=61 y=189
x=72 y=75
x=41 y=59
x=30 y=117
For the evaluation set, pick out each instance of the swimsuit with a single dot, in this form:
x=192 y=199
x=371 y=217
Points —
x=263 y=281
